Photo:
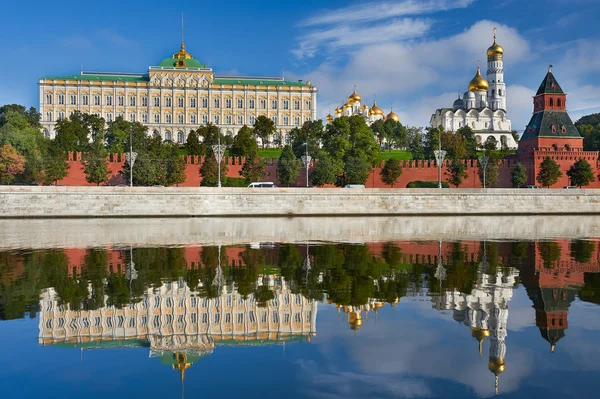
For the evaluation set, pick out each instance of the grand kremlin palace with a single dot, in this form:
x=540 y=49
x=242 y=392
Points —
x=176 y=96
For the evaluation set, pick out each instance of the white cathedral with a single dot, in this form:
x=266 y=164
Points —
x=483 y=106
x=353 y=107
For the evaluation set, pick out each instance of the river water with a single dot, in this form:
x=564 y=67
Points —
x=300 y=308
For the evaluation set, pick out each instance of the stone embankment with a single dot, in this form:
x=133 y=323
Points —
x=111 y=202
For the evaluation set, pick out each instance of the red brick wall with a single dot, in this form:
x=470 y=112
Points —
x=411 y=170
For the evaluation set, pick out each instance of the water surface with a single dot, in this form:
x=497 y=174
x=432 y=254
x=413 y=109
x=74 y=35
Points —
x=380 y=318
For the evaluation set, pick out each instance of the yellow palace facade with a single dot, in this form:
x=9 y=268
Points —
x=177 y=96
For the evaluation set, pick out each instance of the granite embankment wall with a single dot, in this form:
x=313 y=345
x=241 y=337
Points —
x=28 y=201
x=411 y=171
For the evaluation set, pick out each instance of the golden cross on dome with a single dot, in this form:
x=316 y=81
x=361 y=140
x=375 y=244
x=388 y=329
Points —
x=495 y=30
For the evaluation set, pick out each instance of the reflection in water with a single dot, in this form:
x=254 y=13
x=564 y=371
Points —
x=181 y=303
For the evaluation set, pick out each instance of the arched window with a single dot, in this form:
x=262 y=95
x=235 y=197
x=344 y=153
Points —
x=553 y=127
x=554 y=147
x=120 y=101
x=157 y=101
x=180 y=118
x=567 y=147
x=240 y=103
x=49 y=116
x=46 y=134
x=473 y=124
x=180 y=137
x=551 y=102
x=228 y=103
x=228 y=119
x=144 y=101
x=168 y=136
x=109 y=117
x=564 y=129
x=240 y=120
x=263 y=103
x=193 y=102
x=132 y=117
x=204 y=119
x=217 y=120
x=251 y=103
x=168 y=102
x=499 y=91
x=296 y=104
x=144 y=118
x=297 y=121
x=251 y=121
x=108 y=100
x=157 y=118
x=275 y=119
x=168 y=118
x=61 y=99
x=193 y=119
x=48 y=98
x=180 y=101
x=558 y=102
x=132 y=101
x=217 y=103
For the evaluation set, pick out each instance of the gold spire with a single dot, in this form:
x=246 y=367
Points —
x=182 y=55
x=478 y=83
x=552 y=348
x=375 y=110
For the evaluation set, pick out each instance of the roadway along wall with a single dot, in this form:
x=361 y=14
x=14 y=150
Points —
x=33 y=201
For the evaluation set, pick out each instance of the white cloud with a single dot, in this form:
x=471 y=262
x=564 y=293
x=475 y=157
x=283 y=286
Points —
x=370 y=12
x=369 y=23
x=519 y=100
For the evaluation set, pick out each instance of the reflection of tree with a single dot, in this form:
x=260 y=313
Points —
x=581 y=250
x=550 y=252
x=590 y=292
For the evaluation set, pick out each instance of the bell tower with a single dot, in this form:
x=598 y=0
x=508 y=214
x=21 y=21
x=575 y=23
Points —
x=495 y=76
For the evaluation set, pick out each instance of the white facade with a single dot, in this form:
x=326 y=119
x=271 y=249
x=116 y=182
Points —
x=483 y=106
x=176 y=97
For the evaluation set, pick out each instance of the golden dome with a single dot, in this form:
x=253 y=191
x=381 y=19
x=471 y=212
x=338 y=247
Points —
x=478 y=83
x=364 y=107
x=392 y=115
x=329 y=118
x=354 y=97
x=337 y=111
x=347 y=105
x=375 y=110
x=495 y=50
x=497 y=366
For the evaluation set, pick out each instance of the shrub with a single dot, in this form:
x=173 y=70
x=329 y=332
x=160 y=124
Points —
x=426 y=184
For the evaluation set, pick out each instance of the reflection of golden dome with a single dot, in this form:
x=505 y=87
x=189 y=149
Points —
x=354 y=98
x=392 y=115
x=480 y=334
x=355 y=320
x=478 y=83
x=497 y=366
x=375 y=109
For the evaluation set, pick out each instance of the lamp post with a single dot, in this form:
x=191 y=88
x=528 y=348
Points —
x=439 y=158
x=306 y=161
x=131 y=157
x=219 y=150
x=483 y=160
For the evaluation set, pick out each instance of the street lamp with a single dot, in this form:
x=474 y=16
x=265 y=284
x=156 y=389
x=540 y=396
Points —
x=306 y=161
x=439 y=158
x=219 y=151
x=131 y=157
x=483 y=160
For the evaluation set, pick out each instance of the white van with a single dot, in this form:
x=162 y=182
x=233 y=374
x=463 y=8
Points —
x=262 y=184
x=354 y=186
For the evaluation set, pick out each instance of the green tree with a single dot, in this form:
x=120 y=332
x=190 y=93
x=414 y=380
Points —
x=324 y=171
x=581 y=173
x=264 y=128
x=253 y=169
x=310 y=132
x=515 y=135
x=209 y=172
x=175 y=166
x=31 y=115
x=210 y=136
x=550 y=252
x=56 y=166
x=391 y=171
x=193 y=144
x=244 y=143
x=457 y=171
x=75 y=133
x=288 y=167
x=549 y=172
x=356 y=171
x=432 y=141
x=379 y=130
x=11 y=164
x=94 y=163
x=582 y=250
x=470 y=143
x=415 y=143
x=518 y=175
x=397 y=135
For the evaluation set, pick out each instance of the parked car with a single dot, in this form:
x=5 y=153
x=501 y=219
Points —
x=569 y=187
x=262 y=184
x=530 y=186
x=354 y=186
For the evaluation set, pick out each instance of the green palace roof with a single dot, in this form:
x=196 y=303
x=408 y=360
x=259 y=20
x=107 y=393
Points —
x=189 y=63
x=101 y=76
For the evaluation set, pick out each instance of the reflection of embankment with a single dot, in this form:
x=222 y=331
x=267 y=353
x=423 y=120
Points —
x=171 y=321
x=81 y=233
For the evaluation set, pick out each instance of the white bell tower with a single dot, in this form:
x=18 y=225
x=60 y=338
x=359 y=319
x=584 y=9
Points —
x=495 y=76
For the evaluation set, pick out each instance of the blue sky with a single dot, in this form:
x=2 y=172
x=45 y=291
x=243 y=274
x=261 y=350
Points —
x=414 y=55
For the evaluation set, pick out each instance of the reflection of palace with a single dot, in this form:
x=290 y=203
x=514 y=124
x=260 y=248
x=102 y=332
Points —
x=485 y=311
x=178 y=326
